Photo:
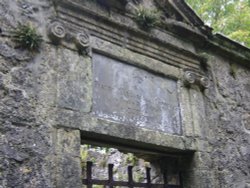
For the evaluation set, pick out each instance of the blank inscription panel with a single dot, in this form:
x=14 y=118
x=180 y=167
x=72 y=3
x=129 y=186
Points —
x=134 y=97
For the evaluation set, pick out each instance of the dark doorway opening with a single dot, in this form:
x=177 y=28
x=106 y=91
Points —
x=106 y=163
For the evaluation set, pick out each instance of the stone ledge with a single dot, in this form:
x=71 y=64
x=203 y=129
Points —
x=96 y=128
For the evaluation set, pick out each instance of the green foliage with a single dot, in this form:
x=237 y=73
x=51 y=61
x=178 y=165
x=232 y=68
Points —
x=139 y=177
x=233 y=70
x=230 y=17
x=98 y=186
x=146 y=18
x=131 y=159
x=121 y=176
x=27 y=37
x=83 y=156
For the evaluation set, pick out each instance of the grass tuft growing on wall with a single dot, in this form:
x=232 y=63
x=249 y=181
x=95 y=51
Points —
x=146 y=18
x=27 y=37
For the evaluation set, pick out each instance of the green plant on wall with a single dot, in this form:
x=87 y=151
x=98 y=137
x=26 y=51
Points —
x=233 y=70
x=27 y=37
x=146 y=18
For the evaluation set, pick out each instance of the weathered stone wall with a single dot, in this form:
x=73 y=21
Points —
x=26 y=82
x=29 y=141
x=46 y=100
x=228 y=110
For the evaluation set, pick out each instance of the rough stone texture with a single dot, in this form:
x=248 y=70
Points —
x=25 y=138
x=67 y=159
x=25 y=135
x=46 y=97
x=228 y=109
x=27 y=93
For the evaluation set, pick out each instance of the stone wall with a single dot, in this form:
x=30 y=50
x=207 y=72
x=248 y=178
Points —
x=228 y=108
x=46 y=106
x=26 y=134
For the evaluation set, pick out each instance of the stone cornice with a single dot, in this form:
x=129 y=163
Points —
x=159 y=43
x=169 y=44
x=230 y=49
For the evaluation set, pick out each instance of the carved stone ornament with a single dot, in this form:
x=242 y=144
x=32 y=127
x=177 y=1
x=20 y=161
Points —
x=56 y=31
x=189 y=77
x=204 y=82
x=83 y=40
x=192 y=78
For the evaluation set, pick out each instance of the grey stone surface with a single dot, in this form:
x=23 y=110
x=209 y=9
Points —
x=67 y=159
x=228 y=108
x=132 y=96
x=25 y=133
x=74 y=81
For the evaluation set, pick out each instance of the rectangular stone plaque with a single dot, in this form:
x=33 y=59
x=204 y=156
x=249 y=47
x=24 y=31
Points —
x=134 y=97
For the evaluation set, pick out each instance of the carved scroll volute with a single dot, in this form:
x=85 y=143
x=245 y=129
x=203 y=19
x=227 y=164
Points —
x=56 y=32
x=192 y=78
x=204 y=82
x=189 y=78
x=83 y=41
